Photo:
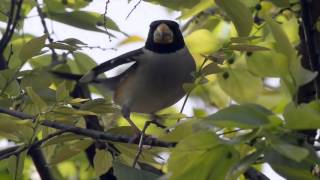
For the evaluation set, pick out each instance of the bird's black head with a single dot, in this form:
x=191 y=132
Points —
x=164 y=37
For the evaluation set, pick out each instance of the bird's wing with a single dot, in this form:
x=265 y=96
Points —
x=112 y=83
x=108 y=65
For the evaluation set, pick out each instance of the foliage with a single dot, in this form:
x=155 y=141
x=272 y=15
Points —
x=242 y=44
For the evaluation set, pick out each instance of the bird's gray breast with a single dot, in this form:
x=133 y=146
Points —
x=166 y=72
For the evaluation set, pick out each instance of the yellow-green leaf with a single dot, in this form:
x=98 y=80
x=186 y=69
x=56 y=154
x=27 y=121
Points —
x=201 y=41
x=59 y=45
x=84 y=20
x=62 y=93
x=131 y=39
x=211 y=68
x=69 y=150
x=32 y=47
x=247 y=47
x=16 y=165
x=241 y=85
x=277 y=64
x=102 y=161
x=239 y=14
x=290 y=151
x=303 y=116
x=36 y=99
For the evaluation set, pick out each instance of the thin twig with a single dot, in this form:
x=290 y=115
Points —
x=99 y=47
x=140 y=146
x=105 y=19
x=188 y=94
x=134 y=7
x=46 y=31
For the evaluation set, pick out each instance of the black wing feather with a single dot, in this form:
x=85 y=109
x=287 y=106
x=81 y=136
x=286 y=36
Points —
x=112 y=63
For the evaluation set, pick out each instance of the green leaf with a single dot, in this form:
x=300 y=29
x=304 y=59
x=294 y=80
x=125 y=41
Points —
x=179 y=132
x=62 y=46
x=201 y=41
x=102 y=161
x=241 y=85
x=99 y=106
x=62 y=93
x=289 y=168
x=243 y=39
x=16 y=165
x=242 y=116
x=242 y=165
x=295 y=153
x=299 y=74
x=283 y=43
x=72 y=42
x=124 y=172
x=62 y=139
x=201 y=6
x=281 y=3
x=73 y=112
x=130 y=39
x=303 y=116
x=84 y=20
x=32 y=47
x=211 y=68
x=8 y=83
x=203 y=155
x=69 y=150
x=277 y=64
x=36 y=99
x=84 y=62
x=15 y=129
x=175 y=5
x=188 y=87
x=247 y=48
x=239 y=14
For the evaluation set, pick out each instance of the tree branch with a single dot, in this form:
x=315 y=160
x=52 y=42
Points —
x=97 y=135
x=46 y=31
x=134 y=7
x=309 y=49
x=253 y=174
x=40 y=163
x=11 y=25
x=14 y=150
x=100 y=135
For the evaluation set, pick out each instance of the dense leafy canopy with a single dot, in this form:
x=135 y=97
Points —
x=241 y=44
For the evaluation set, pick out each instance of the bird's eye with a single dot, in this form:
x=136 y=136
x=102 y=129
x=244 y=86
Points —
x=163 y=34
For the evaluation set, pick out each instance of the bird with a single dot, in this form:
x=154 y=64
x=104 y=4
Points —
x=155 y=79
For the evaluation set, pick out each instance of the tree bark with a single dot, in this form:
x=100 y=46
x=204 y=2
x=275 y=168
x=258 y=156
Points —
x=309 y=49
